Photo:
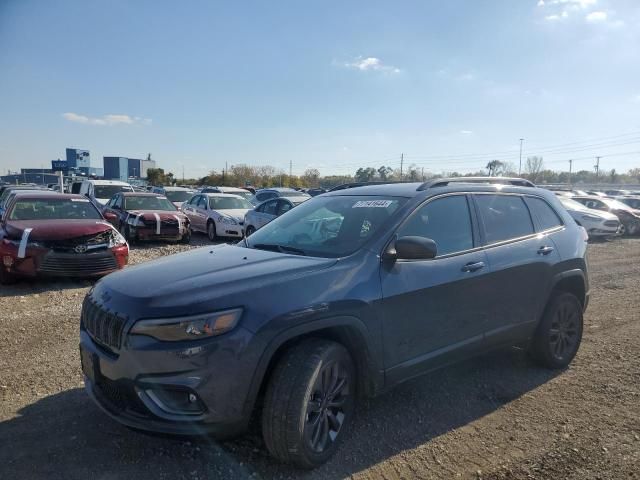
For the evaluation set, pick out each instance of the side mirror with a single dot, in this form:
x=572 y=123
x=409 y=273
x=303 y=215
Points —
x=110 y=217
x=412 y=248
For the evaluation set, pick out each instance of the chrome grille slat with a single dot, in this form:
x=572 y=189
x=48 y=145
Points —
x=104 y=327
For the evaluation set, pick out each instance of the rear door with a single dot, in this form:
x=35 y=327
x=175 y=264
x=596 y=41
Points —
x=190 y=211
x=521 y=265
x=435 y=311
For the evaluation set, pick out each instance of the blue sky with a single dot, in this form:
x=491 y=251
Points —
x=331 y=85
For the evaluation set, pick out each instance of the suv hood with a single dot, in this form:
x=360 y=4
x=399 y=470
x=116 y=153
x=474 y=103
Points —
x=56 y=229
x=179 y=283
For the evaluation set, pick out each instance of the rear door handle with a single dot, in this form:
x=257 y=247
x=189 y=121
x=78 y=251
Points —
x=473 y=267
x=546 y=250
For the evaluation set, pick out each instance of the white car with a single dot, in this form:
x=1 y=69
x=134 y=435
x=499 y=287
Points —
x=268 y=210
x=595 y=222
x=217 y=214
x=101 y=191
x=246 y=194
x=176 y=195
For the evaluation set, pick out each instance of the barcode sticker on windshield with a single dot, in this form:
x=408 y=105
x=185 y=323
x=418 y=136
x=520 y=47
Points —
x=372 y=204
x=83 y=200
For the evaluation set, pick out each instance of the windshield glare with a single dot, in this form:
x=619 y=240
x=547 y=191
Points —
x=333 y=226
x=616 y=204
x=229 y=203
x=108 y=191
x=148 y=203
x=572 y=204
x=63 y=209
x=179 y=195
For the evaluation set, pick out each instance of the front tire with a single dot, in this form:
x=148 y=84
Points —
x=6 y=278
x=186 y=237
x=129 y=236
x=559 y=334
x=309 y=403
x=211 y=231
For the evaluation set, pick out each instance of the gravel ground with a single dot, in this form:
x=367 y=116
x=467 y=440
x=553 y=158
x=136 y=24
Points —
x=497 y=417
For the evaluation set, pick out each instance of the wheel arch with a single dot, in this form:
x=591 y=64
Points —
x=347 y=331
x=574 y=282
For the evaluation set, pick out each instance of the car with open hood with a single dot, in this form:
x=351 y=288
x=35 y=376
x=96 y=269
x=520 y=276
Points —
x=343 y=297
x=59 y=235
x=141 y=216
x=629 y=217
x=100 y=191
x=219 y=215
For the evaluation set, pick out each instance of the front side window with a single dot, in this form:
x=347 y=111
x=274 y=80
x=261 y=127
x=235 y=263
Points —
x=446 y=221
x=547 y=217
x=504 y=217
x=284 y=206
x=333 y=226
x=270 y=208
x=202 y=202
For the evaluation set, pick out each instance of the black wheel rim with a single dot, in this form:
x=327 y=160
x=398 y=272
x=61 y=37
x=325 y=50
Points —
x=327 y=407
x=563 y=334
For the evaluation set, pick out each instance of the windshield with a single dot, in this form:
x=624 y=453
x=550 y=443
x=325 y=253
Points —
x=50 y=209
x=108 y=191
x=571 y=204
x=632 y=202
x=327 y=226
x=148 y=203
x=229 y=203
x=179 y=195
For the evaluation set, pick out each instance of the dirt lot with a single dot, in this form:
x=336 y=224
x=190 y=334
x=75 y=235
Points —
x=498 y=417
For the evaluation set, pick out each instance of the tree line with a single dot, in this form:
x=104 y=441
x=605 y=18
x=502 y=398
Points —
x=268 y=176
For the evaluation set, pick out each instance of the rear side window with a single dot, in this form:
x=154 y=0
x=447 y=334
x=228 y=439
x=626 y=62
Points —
x=504 y=217
x=271 y=207
x=446 y=221
x=547 y=217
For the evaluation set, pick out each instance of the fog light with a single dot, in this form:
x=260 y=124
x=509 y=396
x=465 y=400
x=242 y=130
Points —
x=176 y=402
x=7 y=260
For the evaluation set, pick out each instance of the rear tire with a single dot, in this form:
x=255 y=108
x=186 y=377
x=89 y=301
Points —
x=309 y=403
x=559 y=334
x=250 y=231
x=129 y=236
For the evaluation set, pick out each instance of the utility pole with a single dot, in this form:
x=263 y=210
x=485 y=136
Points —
x=570 y=169
x=290 y=171
x=401 y=164
x=423 y=174
x=520 y=167
x=597 y=167
x=183 y=173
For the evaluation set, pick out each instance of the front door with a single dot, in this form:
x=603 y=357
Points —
x=435 y=311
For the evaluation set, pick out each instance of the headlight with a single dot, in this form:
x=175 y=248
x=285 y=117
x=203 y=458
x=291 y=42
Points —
x=587 y=216
x=227 y=220
x=116 y=239
x=189 y=328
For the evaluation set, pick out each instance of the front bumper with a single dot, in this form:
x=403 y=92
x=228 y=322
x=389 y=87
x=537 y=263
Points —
x=131 y=385
x=235 y=231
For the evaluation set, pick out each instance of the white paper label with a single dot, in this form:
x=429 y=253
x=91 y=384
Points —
x=372 y=204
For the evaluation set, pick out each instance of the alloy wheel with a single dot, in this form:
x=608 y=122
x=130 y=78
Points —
x=564 y=330
x=326 y=407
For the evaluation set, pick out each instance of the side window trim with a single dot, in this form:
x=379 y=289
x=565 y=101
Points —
x=473 y=218
x=537 y=223
x=486 y=245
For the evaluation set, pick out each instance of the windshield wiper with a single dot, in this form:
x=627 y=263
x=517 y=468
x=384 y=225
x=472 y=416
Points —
x=278 y=248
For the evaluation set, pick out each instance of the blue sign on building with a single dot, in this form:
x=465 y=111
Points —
x=59 y=165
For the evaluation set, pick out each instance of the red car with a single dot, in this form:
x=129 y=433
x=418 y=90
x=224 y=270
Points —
x=58 y=235
x=147 y=216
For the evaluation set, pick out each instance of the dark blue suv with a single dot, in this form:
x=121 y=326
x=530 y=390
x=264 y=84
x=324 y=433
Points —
x=344 y=296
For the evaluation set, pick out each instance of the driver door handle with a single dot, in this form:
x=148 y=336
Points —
x=473 y=266
x=545 y=250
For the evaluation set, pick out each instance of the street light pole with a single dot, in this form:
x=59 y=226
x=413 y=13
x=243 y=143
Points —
x=520 y=167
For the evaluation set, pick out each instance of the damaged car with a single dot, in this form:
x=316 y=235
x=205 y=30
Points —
x=58 y=235
x=629 y=217
x=147 y=216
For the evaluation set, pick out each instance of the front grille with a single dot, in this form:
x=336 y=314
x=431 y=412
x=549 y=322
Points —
x=120 y=396
x=611 y=223
x=101 y=240
x=77 y=265
x=104 y=327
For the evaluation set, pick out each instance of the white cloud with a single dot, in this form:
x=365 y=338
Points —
x=636 y=98
x=541 y=3
x=596 y=17
x=466 y=77
x=109 y=119
x=466 y=132
x=371 y=64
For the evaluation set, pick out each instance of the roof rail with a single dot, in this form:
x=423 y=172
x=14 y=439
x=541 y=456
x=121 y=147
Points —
x=443 y=182
x=345 y=186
